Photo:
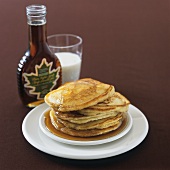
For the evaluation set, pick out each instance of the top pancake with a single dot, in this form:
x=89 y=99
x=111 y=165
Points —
x=115 y=103
x=78 y=95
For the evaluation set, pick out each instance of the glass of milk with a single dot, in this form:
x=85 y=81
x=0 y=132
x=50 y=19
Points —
x=68 y=49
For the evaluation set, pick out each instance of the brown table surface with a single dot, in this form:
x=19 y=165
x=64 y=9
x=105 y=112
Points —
x=126 y=43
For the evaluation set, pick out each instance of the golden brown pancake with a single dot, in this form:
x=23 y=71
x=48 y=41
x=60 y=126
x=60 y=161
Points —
x=86 y=108
x=91 y=132
x=96 y=124
x=83 y=133
x=78 y=118
x=115 y=103
x=77 y=95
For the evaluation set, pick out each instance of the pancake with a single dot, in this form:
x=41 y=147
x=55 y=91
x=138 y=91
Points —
x=90 y=133
x=115 y=103
x=78 y=95
x=76 y=117
x=86 y=108
x=83 y=133
x=96 y=124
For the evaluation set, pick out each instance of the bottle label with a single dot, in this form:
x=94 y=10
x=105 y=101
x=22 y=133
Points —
x=43 y=80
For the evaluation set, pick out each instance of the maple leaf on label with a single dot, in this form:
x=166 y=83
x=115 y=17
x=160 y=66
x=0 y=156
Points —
x=43 y=80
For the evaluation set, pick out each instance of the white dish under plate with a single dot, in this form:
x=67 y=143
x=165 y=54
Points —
x=34 y=135
x=123 y=132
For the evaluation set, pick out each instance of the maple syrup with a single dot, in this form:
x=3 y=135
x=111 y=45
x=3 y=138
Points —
x=58 y=133
x=39 y=70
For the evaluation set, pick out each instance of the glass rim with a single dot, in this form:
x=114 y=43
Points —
x=65 y=35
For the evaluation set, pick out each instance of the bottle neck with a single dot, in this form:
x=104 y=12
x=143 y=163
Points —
x=37 y=34
x=36 y=19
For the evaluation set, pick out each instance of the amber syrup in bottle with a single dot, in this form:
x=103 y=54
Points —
x=39 y=70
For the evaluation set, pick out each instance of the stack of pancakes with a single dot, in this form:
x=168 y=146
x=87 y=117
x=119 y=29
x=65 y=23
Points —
x=86 y=108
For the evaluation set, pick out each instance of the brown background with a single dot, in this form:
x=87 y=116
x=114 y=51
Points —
x=126 y=43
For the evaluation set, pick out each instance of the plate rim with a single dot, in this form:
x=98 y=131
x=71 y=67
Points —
x=42 y=148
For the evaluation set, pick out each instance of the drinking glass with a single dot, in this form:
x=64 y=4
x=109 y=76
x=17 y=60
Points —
x=68 y=49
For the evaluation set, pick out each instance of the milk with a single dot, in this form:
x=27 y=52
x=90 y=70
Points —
x=71 y=66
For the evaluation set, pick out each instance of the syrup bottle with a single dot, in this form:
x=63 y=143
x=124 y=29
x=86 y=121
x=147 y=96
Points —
x=39 y=70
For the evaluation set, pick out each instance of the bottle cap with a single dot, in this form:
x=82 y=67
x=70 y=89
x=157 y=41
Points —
x=36 y=10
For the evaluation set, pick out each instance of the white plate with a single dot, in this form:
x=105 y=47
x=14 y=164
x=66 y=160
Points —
x=92 y=142
x=34 y=135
